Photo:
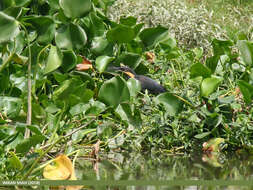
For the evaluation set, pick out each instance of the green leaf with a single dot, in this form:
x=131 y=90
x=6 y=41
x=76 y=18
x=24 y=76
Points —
x=128 y=21
x=199 y=69
x=10 y=105
x=78 y=108
x=8 y=27
x=69 y=60
x=44 y=26
x=76 y=8
x=151 y=36
x=102 y=62
x=172 y=104
x=246 y=50
x=202 y=135
x=130 y=59
x=15 y=162
x=54 y=60
x=96 y=107
x=114 y=91
x=101 y=46
x=209 y=85
x=97 y=26
x=246 y=90
x=134 y=87
x=26 y=144
x=121 y=34
x=70 y=37
x=131 y=116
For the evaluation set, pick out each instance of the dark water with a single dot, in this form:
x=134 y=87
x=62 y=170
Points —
x=189 y=172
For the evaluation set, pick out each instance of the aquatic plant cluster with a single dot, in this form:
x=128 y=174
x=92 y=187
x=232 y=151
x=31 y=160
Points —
x=58 y=94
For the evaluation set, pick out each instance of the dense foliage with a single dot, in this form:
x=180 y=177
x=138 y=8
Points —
x=42 y=42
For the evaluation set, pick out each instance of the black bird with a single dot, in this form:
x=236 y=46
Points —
x=146 y=83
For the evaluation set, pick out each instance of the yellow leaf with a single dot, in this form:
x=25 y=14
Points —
x=62 y=169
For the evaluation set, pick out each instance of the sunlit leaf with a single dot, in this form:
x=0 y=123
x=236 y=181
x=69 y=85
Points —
x=209 y=85
x=61 y=170
x=9 y=27
x=246 y=90
x=102 y=62
x=121 y=34
x=198 y=69
x=114 y=91
x=151 y=36
x=172 y=104
x=45 y=28
x=70 y=36
x=100 y=46
x=134 y=86
x=54 y=60
x=246 y=50
x=76 y=8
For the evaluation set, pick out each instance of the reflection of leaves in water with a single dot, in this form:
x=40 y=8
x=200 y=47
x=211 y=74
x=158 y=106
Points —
x=132 y=166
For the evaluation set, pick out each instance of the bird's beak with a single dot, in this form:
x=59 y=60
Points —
x=131 y=75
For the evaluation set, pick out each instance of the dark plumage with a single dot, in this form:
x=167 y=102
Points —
x=146 y=83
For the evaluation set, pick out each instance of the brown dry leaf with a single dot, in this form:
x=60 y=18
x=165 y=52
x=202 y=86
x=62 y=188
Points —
x=150 y=56
x=61 y=170
x=85 y=65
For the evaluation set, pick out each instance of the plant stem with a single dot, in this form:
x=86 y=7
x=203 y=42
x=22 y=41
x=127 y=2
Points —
x=29 y=85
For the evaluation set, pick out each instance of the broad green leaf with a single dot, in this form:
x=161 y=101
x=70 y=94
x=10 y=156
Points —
x=114 y=91
x=9 y=27
x=26 y=144
x=246 y=50
x=172 y=104
x=15 y=161
x=96 y=107
x=76 y=8
x=101 y=46
x=151 y=36
x=128 y=21
x=102 y=62
x=246 y=90
x=199 y=69
x=78 y=109
x=130 y=59
x=134 y=86
x=121 y=34
x=72 y=92
x=69 y=60
x=44 y=26
x=97 y=26
x=70 y=37
x=10 y=106
x=221 y=47
x=131 y=116
x=54 y=60
x=209 y=85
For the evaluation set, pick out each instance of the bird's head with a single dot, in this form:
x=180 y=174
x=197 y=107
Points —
x=130 y=72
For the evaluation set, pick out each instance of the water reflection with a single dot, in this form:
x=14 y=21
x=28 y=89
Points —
x=153 y=168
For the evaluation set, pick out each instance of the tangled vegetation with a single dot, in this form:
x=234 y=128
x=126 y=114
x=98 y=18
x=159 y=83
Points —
x=68 y=111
